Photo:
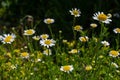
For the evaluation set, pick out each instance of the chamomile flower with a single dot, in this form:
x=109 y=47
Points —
x=93 y=25
x=114 y=64
x=67 y=68
x=88 y=67
x=49 y=21
x=47 y=52
x=29 y=32
x=105 y=43
x=13 y=66
x=44 y=36
x=25 y=55
x=8 y=38
x=114 y=53
x=78 y=28
x=100 y=16
x=76 y=12
x=36 y=38
x=83 y=39
x=47 y=42
x=73 y=51
x=116 y=30
x=64 y=41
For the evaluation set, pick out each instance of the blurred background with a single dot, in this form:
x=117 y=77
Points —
x=13 y=13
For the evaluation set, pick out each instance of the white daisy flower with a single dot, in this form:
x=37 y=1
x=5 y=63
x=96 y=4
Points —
x=29 y=32
x=8 y=38
x=36 y=38
x=25 y=55
x=67 y=68
x=47 y=42
x=105 y=43
x=78 y=28
x=93 y=25
x=100 y=16
x=114 y=53
x=116 y=30
x=49 y=21
x=83 y=39
x=88 y=67
x=47 y=52
x=13 y=66
x=114 y=64
x=44 y=36
x=73 y=51
x=76 y=12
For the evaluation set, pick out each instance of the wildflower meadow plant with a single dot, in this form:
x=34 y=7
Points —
x=93 y=25
x=49 y=21
x=114 y=53
x=67 y=68
x=29 y=32
x=89 y=54
x=36 y=38
x=8 y=38
x=105 y=43
x=47 y=43
x=84 y=39
x=47 y=52
x=100 y=16
x=116 y=30
x=78 y=28
x=25 y=55
x=44 y=36
x=75 y=12
x=88 y=68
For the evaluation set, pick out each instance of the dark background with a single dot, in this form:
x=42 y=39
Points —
x=12 y=11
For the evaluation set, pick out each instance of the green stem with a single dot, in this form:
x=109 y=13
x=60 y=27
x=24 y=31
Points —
x=51 y=31
x=117 y=41
x=74 y=33
x=103 y=32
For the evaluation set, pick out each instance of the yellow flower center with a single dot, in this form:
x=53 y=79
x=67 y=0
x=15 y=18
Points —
x=48 y=42
x=49 y=21
x=118 y=30
x=29 y=31
x=73 y=51
x=77 y=27
x=102 y=17
x=75 y=12
x=66 y=68
x=88 y=67
x=24 y=54
x=8 y=39
x=83 y=39
x=44 y=36
x=114 y=53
